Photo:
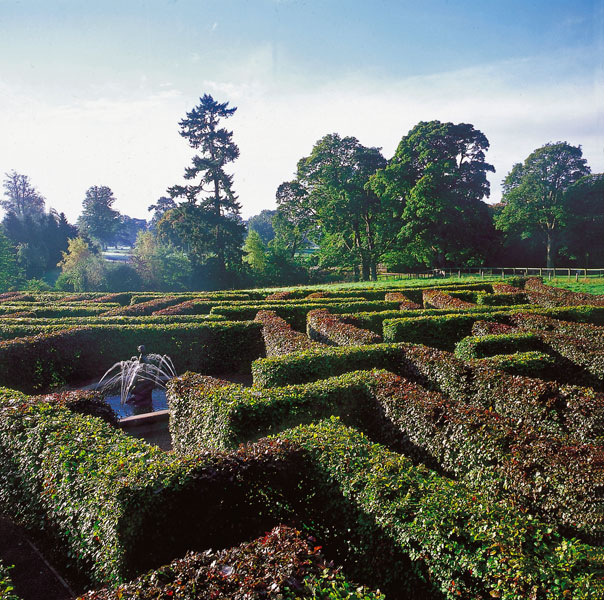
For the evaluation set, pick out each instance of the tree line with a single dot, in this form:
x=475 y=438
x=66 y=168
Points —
x=347 y=210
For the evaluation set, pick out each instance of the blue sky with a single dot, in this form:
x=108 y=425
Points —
x=91 y=93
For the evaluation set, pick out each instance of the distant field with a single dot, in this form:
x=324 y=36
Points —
x=591 y=286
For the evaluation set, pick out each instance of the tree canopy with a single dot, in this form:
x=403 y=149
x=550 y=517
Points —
x=435 y=184
x=534 y=193
x=98 y=218
x=211 y=190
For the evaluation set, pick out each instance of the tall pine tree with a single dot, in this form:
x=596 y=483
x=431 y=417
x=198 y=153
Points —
x=211 y=187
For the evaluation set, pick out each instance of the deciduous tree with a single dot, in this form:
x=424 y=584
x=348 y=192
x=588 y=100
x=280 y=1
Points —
x=435 y=184
x=534 y=193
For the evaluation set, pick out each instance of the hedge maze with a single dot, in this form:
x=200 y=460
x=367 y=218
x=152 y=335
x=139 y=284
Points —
x=406 y=442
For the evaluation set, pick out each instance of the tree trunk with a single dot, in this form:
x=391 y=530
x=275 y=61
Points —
x=550 y=250
x=374 y=271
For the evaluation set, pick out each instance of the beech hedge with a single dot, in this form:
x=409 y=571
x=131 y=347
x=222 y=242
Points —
x=569 y=412
x=279 y=337
x=489 y=345
x=322 y=363
x=295 y=312
x=440 y=299
x=499 y=455
x=527 y=364
x=38 y=363
x=471 y=546
x=281 y=565
x=322 y=326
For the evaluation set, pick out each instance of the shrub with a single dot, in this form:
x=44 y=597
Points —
x=321 y=363
x=7 y=590
x=279 y=337
x=329 y=329
x=501 y=299
x=404 y=302
x=505 y=288
x=547 y=295
x=472 y=547
x=84 y=402
x=527 y=364
x=295 y=312
x=440 y=299
x=37 y=363
x=97 y=492
x=281 y=296
x=489 y=345
x=491 y=328
x=553 y=480
x=143 y=308
x=281 y=565
x=563 y=411
x=198 y=306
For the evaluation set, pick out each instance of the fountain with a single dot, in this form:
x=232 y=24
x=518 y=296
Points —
x=137 y=378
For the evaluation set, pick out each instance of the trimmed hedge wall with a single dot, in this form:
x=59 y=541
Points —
x=490 y=345
x=567 y=412
x=443 y=331
x=115 y=506
x=101 y=506
x=440 y=299
x=210 y=413
x=404 y=302
x=38 y=363
x=281 y=565
x=554 y=296
x=322 y=363
x=143 y=308
x=472 y=547
x=322 y=326
x=499 y=455
x=527 y=364
x=279 y=337
x=501 y=299
x=295 y=312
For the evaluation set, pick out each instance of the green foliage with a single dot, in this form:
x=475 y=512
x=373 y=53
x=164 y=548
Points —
x=534 y=193
x=98 y=219
x=161 y=266
x=10 y=273
x=321 y=363
x=528 y=364
x=53 y=359
x=467 y=542
x=210 y=225
x=82 y=269
x=7 y=590
x=490 y=345
x=437 y=180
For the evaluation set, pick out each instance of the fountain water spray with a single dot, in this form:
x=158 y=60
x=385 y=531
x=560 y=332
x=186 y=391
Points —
x=137 y=377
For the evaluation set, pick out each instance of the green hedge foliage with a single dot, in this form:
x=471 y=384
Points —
x=322 y=363
x=295 y=312
x=7 y=589
x=550 y=478
x=35 y=364
x=568 y=412
x=501 y=299
x=547 y=295
x=279 y=337
x=440 y=299
x=445 y=330
x=281 y=565
x=527 y=364
x=143 y=308
x=472 y=546
x=322 y=326
x=115 y=506
x=490 y=345
x=57 y=311
x=198 y=306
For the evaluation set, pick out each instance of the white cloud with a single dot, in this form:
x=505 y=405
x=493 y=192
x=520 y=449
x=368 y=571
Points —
x=132 y=144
